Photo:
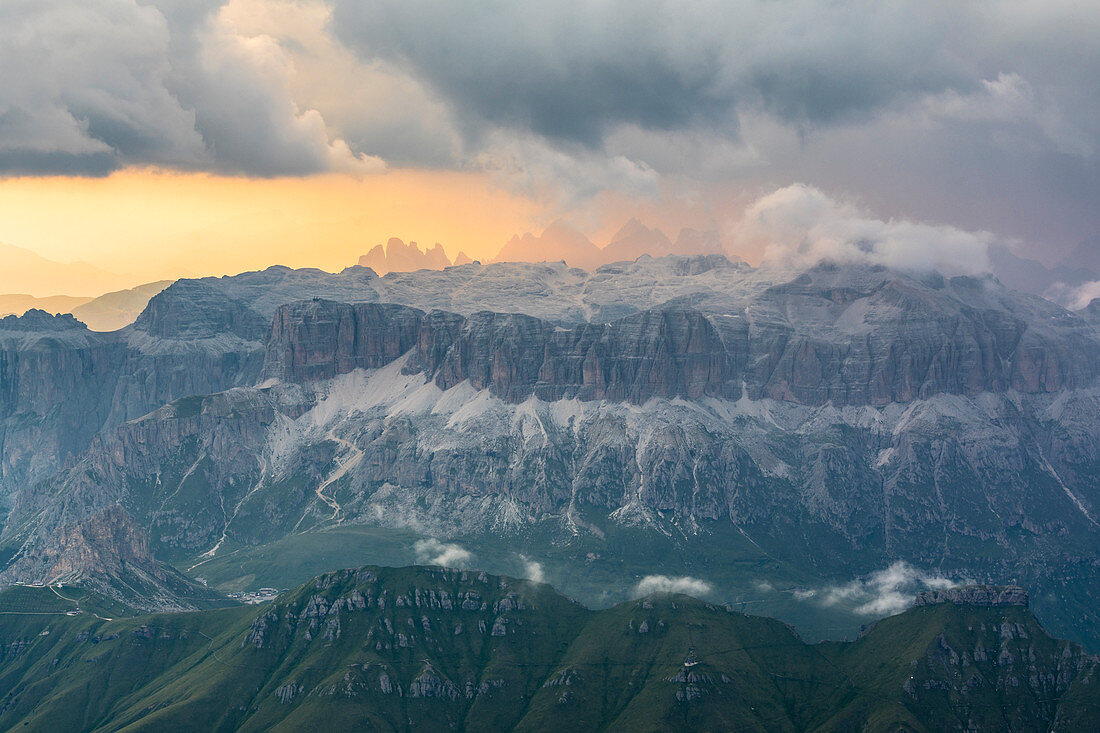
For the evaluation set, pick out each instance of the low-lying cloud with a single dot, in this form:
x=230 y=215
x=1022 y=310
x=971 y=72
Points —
x=1074 y=297
x=884 y=592
x=433 y=552
x=671 y=584
x=801 y=226
x=533 y=570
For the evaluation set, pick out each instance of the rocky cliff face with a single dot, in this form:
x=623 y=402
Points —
x=318 y=339
x=61 y=385
x=56 y=384
x=441 y=649
x=975 y=595
x=824 y=338
x=838 y=419
x=990 y=487
x=662 y=353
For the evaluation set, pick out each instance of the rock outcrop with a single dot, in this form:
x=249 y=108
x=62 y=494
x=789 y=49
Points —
x=823 y=338
x=975 y=595
x=320 y=339
x=841 y=417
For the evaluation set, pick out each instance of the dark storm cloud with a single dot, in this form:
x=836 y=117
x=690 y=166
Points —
x=84 y=84
x=571 y=70
x=983 y=114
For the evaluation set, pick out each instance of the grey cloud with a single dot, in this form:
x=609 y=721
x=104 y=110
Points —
x=981 y=114
x=574 y=70
x=560 y=70
x=94 y=85
x=800 y=226
x=85 y=84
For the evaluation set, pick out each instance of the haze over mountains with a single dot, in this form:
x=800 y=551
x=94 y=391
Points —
x=30 y=281
x=108 y=312
x=26 y=272
x=558 y=242
x=761 y=431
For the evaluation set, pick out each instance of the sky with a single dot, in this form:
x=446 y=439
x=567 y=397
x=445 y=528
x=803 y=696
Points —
x=179 y=137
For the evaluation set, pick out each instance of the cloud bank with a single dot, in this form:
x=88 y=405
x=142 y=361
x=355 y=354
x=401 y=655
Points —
x=884 y=592
x=433 y=552
x=983 y=115
x=671 y=584
x=801 y=226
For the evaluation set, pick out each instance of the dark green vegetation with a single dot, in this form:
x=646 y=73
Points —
x=597 y=571
x=431 y=649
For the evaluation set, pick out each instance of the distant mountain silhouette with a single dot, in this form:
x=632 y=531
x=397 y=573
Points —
x=400 y=257
x=23 y=271
x=560 y=241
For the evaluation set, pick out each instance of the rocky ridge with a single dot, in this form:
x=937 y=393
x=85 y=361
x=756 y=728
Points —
x=435 y=648
x=975 y=595
x=838 y=418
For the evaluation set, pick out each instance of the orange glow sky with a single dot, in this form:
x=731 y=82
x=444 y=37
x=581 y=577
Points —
x=153 y=224
x=246 y=133
x=150 y=224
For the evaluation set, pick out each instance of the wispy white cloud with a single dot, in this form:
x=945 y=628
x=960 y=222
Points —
x=533 y=570
x=433 y=552
x=800 y=225
x=884 y=592
x=671 y=584
x=1074 y=297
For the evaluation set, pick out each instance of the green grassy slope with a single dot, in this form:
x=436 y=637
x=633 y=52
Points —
x=420 y=648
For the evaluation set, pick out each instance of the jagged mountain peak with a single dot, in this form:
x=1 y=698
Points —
x=397 y=256
x=41 y=321
x=687 y=395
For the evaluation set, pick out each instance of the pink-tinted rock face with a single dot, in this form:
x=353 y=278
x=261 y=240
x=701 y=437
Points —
x=667 y=353
x=400 y=257
x=802 y=343
x=319 y=339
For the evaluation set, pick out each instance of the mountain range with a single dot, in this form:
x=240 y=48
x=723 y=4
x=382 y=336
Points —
x=560 y=241
x=437 y=649
x=25 y=271
x=772 y=436
x=397 y=256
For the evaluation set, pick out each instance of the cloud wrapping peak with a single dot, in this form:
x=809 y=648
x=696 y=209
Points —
x=887 y=591
x=671 y=584
x=800 y=226
x=433 y=552
x=980 y=113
